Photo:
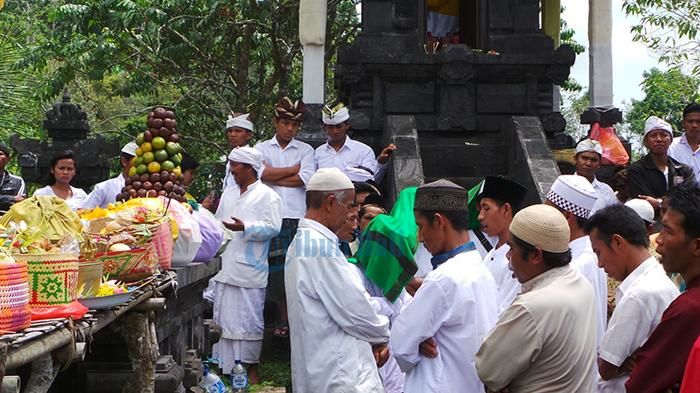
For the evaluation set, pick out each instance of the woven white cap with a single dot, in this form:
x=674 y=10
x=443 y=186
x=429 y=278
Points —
x=329 y=179
x=573 y=194
x=542 y=226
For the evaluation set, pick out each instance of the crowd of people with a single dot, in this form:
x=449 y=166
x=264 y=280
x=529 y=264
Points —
x=594 y=289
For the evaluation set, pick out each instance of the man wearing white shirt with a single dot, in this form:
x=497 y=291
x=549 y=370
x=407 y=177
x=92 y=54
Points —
x=499 y=200
x=686 y=148
x=288 y=166
x=106 y=192
x=253 y=212
x=620 y=240
x=574 y=197
x=239 y=130
x=589 y=153
x=437 y=334
x=354 y=158
x=337 y=339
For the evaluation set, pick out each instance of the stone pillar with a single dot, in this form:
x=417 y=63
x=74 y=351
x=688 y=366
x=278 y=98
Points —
x=600 y=77
x=312 y=35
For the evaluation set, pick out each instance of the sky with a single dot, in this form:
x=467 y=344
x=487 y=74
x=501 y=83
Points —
x=630 y=59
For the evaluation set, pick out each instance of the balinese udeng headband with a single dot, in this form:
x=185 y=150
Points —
x=240 y=121
x=290 y=110
x=335 y=115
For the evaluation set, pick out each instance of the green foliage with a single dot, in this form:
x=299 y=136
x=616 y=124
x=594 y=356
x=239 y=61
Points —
x=669 y=27
x=203 y=58
x=666 y=93
x=575 y=102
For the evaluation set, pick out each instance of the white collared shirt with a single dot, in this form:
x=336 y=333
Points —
x=332 y=323
x=104 y=193
x=508 y=287
x=681 y=151
x=584 y=260
x=456 y=305
x=75 y=201
x=244 y=262
x=351 y=155
x=606 y=195
x=296 y=152
x=640 y=302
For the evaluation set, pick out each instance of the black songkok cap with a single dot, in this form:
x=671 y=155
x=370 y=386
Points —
x=441 y=195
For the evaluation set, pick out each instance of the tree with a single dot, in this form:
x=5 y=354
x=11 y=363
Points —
x=666 y=93
x=567 y=37
x=669 y=27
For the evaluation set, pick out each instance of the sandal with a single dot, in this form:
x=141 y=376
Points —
x=281 y=330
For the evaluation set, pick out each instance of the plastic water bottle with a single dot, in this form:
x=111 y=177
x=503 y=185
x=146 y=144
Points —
x=239 y=378
x=211 y=383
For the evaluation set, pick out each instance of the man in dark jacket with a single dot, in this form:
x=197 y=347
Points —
x=654 y=174
x=11 y=186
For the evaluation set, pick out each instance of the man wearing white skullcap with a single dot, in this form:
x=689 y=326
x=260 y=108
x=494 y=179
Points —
x=354 y=158
x=574 y=197
x=106 y=192
x=288 y=166
x=654 y=174
x=589 y=153
x=545 y=341
x=336 y=335
x=252 y=211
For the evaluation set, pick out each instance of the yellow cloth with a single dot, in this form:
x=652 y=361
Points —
x=49 y=213
x=445 y=7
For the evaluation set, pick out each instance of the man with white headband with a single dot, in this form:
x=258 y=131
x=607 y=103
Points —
x=574 y=197
x=337 y=338
x=354 y=158
x=654 y=174
x=288 y=166
x=252 y=211
x=589 y=153
x=545 y=341
x=239 y=130
x=106 y=192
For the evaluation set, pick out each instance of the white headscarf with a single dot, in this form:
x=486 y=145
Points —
x=656 y=123
x=247 y=155
x=336 y=115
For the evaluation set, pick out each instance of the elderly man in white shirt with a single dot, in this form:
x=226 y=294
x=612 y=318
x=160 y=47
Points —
x=253 y=212
x=337 y=338
x=106 y=192
x=620 y=239
x=545 y=341
x=354 y=158
x=437 y=334
x=686 y=148
x=589 y=153
x=288 y=166
x=574 y=197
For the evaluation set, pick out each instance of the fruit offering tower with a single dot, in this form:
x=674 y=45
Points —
x=155 y=171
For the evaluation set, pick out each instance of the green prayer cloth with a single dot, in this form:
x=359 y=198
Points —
x=389 y=242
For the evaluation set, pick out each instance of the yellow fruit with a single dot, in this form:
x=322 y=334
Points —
x=139 y=152
x=146 y=147
x=158 y=143
x=132 y=171
x=154 y=167
x=177 y=171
